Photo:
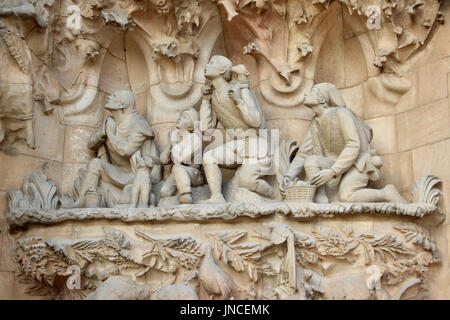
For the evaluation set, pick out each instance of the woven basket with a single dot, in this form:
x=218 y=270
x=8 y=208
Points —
x=300 y=193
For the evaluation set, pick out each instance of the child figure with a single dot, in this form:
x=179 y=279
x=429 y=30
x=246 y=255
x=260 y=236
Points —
x=184 y=146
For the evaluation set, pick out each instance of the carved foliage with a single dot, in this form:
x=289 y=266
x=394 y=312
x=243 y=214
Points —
x=38 y=192
x=183 y=250
x=243 y=257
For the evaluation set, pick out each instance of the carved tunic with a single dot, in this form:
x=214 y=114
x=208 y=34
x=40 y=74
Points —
x=340 y=136
x=226 y=110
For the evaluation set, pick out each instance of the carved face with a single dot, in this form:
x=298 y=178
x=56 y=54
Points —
x=218 y=67
x=184 y=121
x=112 y=101
x=313 y=97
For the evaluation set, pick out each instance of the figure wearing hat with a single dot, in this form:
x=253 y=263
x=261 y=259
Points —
x=185 y=153
x=124 y=144
x=336 y=153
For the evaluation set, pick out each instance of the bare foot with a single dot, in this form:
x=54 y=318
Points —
x=186 y=198
x=214 y=199
x=392 y=194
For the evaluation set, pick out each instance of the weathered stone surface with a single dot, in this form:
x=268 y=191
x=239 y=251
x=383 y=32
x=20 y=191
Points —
x=233 y=65
x=423 y=125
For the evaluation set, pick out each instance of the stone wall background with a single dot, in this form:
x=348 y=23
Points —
x=413 y=137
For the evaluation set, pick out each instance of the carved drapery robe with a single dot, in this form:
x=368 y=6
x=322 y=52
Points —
x=133 y=137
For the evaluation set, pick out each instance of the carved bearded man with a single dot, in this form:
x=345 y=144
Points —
x=235 y=107
x=336 y=152
x=123 y=142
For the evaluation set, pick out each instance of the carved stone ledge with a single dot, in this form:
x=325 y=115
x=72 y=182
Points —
x=227 y=211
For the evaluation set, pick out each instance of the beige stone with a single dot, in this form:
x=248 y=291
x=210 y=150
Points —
x=384 y=133
x=432 y=79
x=355 y=63
x=14 y=168
x=432 y=159
x=75 y=146
x=396 y=79
x=425 y=124
x=397 y=169
x=8 y=283
x=409 y=100
x=355 y=100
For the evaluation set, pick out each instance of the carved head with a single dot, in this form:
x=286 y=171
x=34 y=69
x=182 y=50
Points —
x=325 y=94
x=187 y=119
x=120 y=99
x=218 y=66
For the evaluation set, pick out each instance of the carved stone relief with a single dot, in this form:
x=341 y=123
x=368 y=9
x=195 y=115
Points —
x=179 y=98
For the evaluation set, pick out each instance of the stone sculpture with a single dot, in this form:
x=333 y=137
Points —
x=123 y=288
x=16 y=78
x=236 y=108
x=185 y=148
x=336 y=152
x=139 y=225
x=125 y=153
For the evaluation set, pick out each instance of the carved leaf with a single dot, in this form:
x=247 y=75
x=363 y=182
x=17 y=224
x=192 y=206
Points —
x=185 y=250
x=38 y=192
x=417 y=235
x=384 y=244
x=241 y=257
x=331 y=243
x=425 y=190
x=305 y=256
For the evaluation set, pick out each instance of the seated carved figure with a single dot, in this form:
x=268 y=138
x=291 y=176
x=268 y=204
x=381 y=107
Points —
x=126 y=153
x=336 y=152
x=185 y=145
x=236 y=108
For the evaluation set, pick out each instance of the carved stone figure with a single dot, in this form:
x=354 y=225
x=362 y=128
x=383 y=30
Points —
x=364 y=286
x=125 y=151
x=215 y=280
x=235 y=107
x=186 y=145
x=16 y=78
x=123 y=288
x=175 y=292
x=353 y=242
x=120 y=288
x=336 y=155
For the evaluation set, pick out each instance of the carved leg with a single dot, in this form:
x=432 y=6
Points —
x=183 y=181
x=222 y=154
x=91 y=179
x=353 y=188
x=169 y=187
x=214 y=179
x=250 y=179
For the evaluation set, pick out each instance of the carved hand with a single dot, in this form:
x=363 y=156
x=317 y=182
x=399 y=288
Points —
x=110 y=126
x=235 y=94
x=323 y=177
x=286 y=181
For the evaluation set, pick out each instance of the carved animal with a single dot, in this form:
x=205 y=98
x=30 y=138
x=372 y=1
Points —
x=175 y=292
x=349 y=287
x=123 y=288
x=120 y=288
x=141 y=188
x=215 y=280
